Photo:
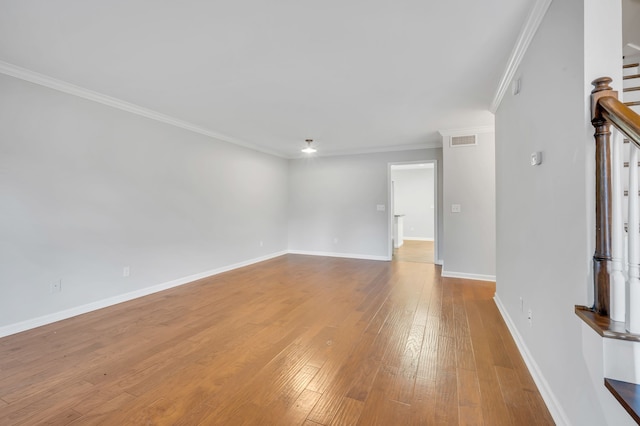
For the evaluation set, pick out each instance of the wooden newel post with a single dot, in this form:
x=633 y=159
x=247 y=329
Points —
x=602 y=257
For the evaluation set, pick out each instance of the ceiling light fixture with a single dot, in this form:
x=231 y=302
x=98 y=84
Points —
x=309 y=149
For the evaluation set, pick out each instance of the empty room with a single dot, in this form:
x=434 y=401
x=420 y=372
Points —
x=318 y=213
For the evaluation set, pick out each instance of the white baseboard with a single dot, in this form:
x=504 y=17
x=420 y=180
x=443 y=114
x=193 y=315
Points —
x=93 y=306
x=439 y=262
x=417 y=239
x=479 y=277
x=345 y=255
x=555 y=409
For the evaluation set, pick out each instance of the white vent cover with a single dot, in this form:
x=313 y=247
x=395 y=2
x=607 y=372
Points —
x=463 y=140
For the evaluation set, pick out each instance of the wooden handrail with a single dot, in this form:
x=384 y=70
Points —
x=622 y=117
x=606 y=109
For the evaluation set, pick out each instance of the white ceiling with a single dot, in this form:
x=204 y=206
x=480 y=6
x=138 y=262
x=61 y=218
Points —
x=353 y=75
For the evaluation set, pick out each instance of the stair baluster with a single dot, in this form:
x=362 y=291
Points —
x=633 y=288
x=608 y=295
x=618 y=284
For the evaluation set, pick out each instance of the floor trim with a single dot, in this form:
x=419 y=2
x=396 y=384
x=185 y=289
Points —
x=94 y=306
x=554 y=406
x=479 y=277
x=345 y=255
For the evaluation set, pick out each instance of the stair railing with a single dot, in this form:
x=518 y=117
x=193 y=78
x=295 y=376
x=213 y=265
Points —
x=607 y=110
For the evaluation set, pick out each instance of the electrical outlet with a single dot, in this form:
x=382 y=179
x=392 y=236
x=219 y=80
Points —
x=521 y=304
x=530 y=317
x=56 y=286
x=126 y=271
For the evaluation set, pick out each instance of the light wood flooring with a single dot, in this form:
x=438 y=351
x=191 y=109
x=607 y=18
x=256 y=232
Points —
x=296 y=340
x=415 y=251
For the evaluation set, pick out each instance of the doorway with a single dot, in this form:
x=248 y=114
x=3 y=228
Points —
x=413 y=211
x=415 y=251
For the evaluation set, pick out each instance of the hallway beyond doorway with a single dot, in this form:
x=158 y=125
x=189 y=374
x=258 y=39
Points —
x=415 y=251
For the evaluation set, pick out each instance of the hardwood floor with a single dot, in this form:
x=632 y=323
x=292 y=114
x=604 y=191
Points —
x=297 y=340
x=415 y=251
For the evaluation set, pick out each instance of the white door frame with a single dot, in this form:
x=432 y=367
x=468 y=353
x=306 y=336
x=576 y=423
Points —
x=436 y=193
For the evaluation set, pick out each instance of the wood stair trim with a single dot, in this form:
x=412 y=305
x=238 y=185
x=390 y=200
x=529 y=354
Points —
x=631 y=89
x=630 y=65
x=627 y=394
x=626 y=192
x=604 y=326
x=626 y=163
x=630 y=104
x=629 y=77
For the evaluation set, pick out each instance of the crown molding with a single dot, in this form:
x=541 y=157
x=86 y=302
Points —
x=467 y=130
x=517 y=54
x=63 y=86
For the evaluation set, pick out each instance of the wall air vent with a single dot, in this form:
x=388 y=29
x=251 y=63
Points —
x=463 y=140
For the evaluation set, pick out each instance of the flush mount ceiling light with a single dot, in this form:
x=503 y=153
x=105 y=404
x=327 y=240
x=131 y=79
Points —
x=309 y=149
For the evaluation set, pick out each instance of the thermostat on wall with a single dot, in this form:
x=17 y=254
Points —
x=536 y=158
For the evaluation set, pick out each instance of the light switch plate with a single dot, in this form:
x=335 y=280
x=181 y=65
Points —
x=456 y=208
x=380 y=207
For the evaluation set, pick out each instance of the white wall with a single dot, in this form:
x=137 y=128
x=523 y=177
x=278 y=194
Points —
x=469 y=180
x=86 y=189
x=335 y=198
x=545 y=213
x=414 y=197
